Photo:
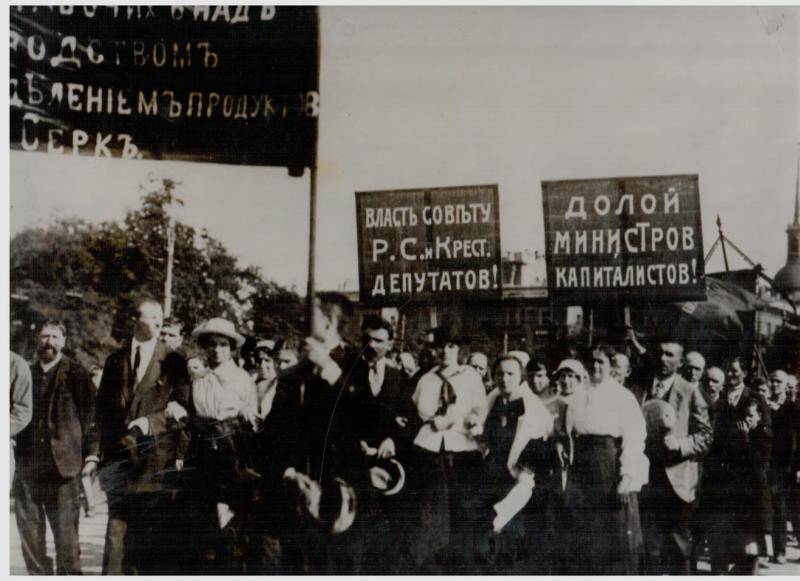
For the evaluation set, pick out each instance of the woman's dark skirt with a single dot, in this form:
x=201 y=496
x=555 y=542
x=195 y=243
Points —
x=606 y=536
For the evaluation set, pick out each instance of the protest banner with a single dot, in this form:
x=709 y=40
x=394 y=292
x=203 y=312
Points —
x=635 y=239
x=432 y=245
x=227 y=84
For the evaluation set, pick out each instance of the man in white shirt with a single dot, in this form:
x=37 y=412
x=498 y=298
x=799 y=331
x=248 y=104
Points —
x=451 y=402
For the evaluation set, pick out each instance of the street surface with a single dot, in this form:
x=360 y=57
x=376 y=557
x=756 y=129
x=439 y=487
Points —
x=92 y=532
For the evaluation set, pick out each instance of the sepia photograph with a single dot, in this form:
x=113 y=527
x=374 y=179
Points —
x=404 y=290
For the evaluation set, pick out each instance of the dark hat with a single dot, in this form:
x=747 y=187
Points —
x=333 y=506
x=445 y=335
x=387 y=475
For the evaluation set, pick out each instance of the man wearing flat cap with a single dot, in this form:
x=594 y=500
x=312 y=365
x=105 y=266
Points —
x=138 y=382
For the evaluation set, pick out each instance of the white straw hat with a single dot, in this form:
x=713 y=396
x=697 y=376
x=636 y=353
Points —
x=218 y=326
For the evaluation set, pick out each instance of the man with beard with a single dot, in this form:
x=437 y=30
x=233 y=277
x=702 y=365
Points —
x=50 y=454
x=668 y=501
x=135 y=446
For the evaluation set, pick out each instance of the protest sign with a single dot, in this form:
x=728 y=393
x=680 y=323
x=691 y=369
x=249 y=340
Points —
x=227 y=84
x=637 y=239
x=436 y=245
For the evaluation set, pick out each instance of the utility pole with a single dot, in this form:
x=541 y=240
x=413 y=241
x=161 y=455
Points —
x=722 y=241
x=169 y=185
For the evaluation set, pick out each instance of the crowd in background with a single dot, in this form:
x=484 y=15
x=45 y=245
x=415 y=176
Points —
x=224 y=454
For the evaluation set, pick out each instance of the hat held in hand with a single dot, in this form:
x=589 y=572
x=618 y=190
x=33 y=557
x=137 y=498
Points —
x=659 y=416
x=387 y=475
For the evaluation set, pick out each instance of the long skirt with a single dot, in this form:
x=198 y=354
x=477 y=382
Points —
x=607 y=536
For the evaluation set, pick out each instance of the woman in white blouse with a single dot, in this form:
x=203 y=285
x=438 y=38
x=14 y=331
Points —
x=451 y=403
x=223 y=410
x=609 y=467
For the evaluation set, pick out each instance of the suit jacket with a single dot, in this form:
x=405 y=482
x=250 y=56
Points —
x=694 y=433
x=310 y=425
x=119 y=402
x=70 y=413
x=738 y=466
x=377 y=416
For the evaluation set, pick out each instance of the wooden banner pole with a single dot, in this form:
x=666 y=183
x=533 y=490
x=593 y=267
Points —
x=312 y=240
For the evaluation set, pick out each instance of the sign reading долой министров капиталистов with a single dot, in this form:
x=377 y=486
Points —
x=431 y=245
x=226 y=84
x=636 y=239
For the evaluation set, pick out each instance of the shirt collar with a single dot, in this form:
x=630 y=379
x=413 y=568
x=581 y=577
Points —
x=379 y=365
x=666 y=382
x=145 y=345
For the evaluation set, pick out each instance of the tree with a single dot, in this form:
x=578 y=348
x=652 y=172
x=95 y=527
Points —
x=105 y=267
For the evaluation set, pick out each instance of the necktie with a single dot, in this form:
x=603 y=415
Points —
x=446 y=396
x=504 y=403
x=137 y=361
x=374 y=379
x=660 y=390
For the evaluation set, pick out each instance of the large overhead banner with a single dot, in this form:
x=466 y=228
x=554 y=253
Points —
x=226 y=84
x=433 y=245
x=637 y=239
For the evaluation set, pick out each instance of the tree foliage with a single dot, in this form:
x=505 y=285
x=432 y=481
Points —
x=89 y=274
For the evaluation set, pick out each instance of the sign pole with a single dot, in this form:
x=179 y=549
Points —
x=312 y=239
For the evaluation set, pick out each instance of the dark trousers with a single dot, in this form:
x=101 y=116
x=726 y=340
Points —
x=42 y=499
x=780 y=511
x=794 y=506
x=450 y=528
x=667 y=527
x=137 y=537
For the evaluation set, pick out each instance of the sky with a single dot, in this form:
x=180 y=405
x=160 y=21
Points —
x=427 y=97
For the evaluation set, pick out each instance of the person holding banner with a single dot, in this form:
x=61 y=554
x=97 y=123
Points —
x=312 y=415
x=451 y=402
x=608 y=469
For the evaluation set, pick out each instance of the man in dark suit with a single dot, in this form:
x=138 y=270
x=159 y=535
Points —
x=311 y=417
x=134 y=444
x=386 y=422
x=49 y=454
x=737 y=490
x=668 y=500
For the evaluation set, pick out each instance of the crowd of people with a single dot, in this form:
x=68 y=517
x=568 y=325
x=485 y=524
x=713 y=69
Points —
x=224 y=454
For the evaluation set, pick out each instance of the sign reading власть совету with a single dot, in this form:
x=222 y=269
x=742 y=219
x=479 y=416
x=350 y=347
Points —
x=437 y=244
